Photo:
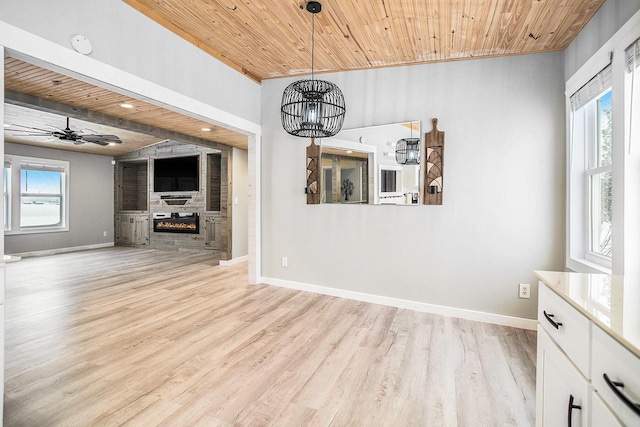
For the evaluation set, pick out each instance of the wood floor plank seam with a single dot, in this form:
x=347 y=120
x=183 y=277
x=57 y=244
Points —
x=144 y=337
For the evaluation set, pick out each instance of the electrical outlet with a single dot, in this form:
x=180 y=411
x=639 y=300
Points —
x=525 y=290
x=284 y=261
x=104 y=233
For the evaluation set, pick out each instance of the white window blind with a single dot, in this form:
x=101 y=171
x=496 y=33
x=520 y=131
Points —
x=41 y=167
x=632 y=54
x=592 y=89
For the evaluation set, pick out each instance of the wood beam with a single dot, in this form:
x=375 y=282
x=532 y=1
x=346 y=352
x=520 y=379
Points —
x=28 y=101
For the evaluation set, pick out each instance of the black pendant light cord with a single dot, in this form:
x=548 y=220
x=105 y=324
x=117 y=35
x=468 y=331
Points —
x=313 y=42
x=310 y=108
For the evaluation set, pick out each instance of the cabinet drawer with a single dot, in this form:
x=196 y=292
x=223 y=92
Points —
x=567 y=326
x=601 y=415
x=622 y=367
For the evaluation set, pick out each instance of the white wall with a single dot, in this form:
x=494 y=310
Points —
x=240 y=192
x=90 y=202
x=607 y=20
x=128 y=40
x=503 y=212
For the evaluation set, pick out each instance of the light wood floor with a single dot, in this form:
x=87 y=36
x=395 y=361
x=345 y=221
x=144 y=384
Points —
x=145 y=337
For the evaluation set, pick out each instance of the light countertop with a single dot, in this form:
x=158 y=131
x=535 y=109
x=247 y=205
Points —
x=611 y=302
x=9 y=258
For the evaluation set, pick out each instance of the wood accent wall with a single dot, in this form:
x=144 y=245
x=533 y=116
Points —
x=226 y=167
x=131 y=168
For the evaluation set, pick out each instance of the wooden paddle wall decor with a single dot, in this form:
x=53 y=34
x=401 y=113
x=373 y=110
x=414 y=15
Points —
x=434 y=159
x=313 y=173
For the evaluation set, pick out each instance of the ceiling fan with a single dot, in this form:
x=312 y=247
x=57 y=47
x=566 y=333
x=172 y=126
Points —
x=67 y=134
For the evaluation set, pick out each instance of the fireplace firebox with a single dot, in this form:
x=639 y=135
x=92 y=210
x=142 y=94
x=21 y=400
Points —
x=183 y=222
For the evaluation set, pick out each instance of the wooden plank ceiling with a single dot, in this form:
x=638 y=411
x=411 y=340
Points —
x=268 y=39
x=51 y=87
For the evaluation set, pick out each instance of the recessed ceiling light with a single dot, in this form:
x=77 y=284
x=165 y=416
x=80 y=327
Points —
x=206 y=129
x=349 y=151
x=7 y=125
x=125 y=105
x=112 y=143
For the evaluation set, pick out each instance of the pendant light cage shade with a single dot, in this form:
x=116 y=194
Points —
x=408 y=151
x=312 y=109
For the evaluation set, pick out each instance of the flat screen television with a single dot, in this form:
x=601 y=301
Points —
x=176 y=174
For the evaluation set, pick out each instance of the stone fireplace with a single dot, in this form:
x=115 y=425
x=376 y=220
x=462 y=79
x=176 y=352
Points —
x=182 y=222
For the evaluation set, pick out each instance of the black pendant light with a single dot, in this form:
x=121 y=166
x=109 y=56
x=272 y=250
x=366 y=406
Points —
x=312 y=108
x=408 y=150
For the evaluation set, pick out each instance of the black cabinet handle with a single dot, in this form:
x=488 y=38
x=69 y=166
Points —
x=571 y=408
x=553 y=322
x=615 y=386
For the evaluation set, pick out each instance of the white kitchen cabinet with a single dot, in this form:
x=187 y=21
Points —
x=616 y=377
x=589 y=348
x=601 y=415
x=563 y=392
x=568 y=328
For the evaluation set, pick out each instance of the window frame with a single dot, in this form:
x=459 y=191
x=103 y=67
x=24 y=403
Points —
x=625 y=155
x=582 y=166
x=594 y=169
x=18 y=163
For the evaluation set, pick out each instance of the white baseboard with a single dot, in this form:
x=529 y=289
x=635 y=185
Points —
x=64 y=250
x=478 y=316
x=226 y=263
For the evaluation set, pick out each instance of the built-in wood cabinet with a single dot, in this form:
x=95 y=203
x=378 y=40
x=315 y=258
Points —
x=132 y=179
x=137 y=203
x=212 y=229
x=214 y=181
x=132 y=229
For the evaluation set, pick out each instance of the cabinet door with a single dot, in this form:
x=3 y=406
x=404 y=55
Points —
x=212 y=232
x=124 y=229
x=141 y=230
x=563 y=392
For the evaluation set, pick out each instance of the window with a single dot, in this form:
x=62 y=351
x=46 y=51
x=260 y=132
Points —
x=599 y=180
x=590 y=173
x=35 y=195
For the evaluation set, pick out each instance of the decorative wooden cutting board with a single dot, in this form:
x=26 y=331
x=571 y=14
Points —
x=433 y=172
x=313 y=173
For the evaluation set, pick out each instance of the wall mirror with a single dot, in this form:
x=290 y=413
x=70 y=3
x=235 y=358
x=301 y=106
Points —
x=358 y=166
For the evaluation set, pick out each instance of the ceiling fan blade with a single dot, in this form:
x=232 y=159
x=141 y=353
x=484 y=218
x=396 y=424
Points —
x=99 y=139
x=27 y=133
x=27 y=127
x=99 y=142
x=59 y=129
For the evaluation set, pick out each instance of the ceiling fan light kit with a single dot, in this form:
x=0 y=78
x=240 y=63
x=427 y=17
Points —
x=312 y=108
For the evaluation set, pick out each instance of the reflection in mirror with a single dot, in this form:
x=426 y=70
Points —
x=359 y=166
x=344 y=177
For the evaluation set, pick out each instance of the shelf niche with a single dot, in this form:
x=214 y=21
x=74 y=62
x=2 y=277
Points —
x=134 y=185
x=214 y=181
